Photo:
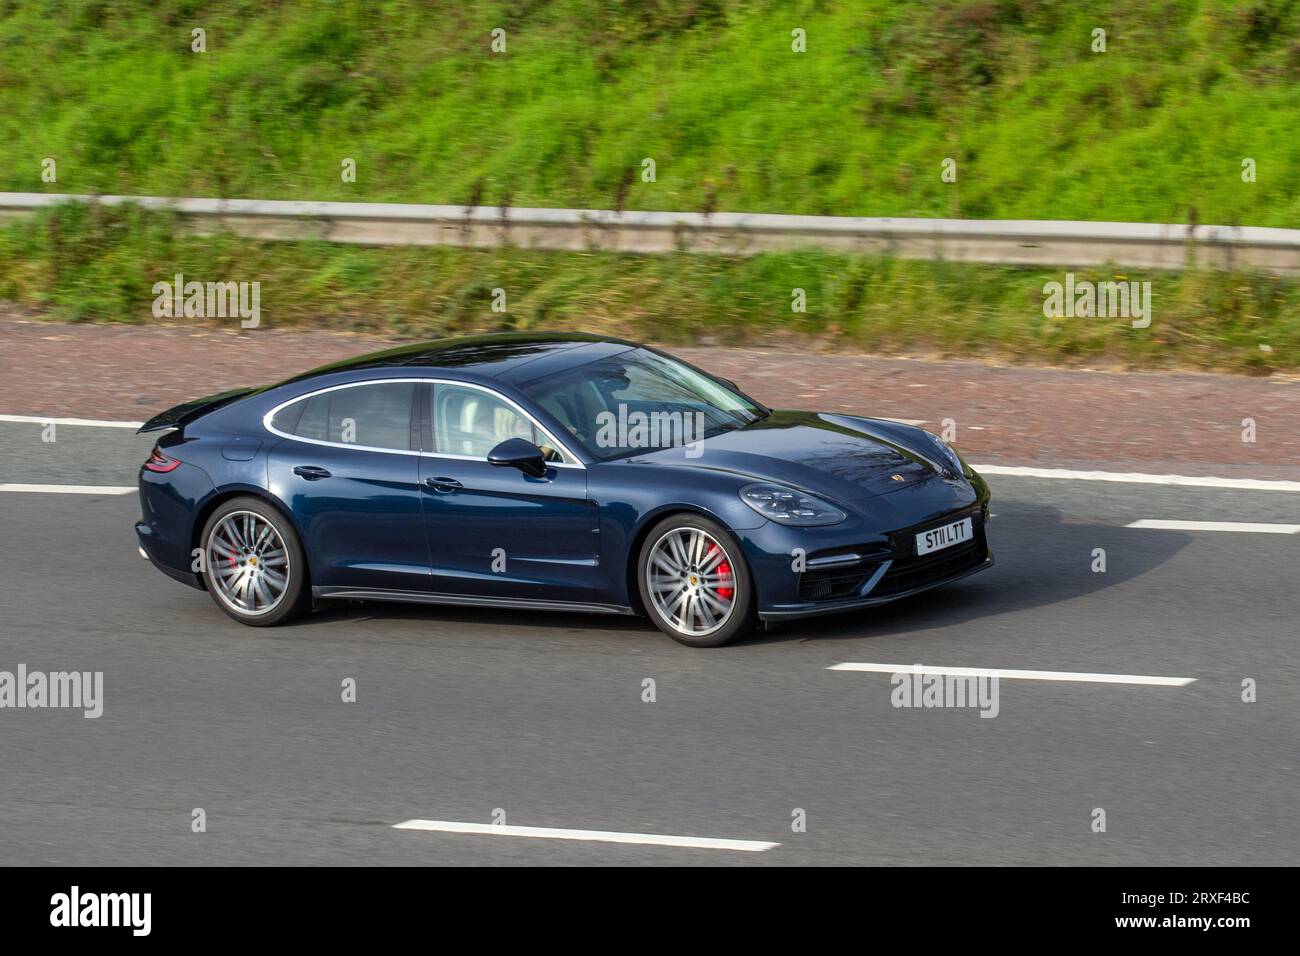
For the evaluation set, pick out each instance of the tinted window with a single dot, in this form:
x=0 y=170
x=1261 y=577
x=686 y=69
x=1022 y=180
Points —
x=471 y=422
x=286 y=419
x=597 y=401
x=377 y=416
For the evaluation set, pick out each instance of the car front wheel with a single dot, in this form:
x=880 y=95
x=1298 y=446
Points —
x=694 y=582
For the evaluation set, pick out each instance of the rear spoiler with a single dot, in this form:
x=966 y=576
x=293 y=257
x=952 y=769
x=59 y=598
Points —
x=181 y=415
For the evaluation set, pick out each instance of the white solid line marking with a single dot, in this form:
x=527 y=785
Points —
x=1000 y=672
x=1189 y=481
x=90 y=422
x=1011 y=471
x=1252 y=527
x=71 y=489
x=600 y=836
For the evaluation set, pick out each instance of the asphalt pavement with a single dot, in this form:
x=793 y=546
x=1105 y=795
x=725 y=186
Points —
x=541 y=720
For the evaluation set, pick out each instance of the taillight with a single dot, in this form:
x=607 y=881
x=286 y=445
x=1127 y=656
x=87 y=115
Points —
x=160 y=462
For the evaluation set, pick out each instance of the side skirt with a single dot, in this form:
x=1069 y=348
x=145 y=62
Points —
x=462 y=600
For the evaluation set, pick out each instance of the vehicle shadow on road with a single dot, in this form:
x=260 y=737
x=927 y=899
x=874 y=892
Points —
x=492 y=618
x=1041 y=561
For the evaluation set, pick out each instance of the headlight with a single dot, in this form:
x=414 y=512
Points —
x=949 y=456
x=788 y=506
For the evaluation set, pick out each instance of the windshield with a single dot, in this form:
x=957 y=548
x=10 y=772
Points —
x=638 y=400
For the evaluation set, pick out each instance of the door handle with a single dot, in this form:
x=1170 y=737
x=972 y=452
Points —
x=443 y=485
x=311 y=472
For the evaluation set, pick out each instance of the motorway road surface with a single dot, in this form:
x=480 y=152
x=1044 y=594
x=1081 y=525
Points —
x=460 y=713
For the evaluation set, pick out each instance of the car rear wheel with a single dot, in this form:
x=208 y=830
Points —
x=694 y=582
x=253 y=565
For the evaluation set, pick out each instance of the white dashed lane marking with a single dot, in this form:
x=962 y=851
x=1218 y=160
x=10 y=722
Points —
x=1004 y=673
x=1248 y=527
x=597 y=836
x=69 y=489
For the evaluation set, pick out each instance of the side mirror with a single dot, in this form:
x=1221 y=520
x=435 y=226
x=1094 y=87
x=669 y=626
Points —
x=521 y=454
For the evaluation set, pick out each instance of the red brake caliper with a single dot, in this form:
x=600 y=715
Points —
x=723 y=569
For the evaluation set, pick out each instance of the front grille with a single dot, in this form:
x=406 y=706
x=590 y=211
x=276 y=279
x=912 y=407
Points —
x=907 y=574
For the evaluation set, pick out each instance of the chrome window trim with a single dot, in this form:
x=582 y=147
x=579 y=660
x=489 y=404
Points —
x=573 y=461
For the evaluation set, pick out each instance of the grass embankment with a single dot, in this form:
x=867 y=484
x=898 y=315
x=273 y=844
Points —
x=1155 y=129
x=1041 y=127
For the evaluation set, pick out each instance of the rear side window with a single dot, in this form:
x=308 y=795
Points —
x=375 y=416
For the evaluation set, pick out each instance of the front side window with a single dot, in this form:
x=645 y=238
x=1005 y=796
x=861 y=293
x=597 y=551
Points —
x=471 y=422
x=373 y=416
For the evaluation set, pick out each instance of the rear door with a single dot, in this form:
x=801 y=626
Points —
x=349 y=468
x=495 y=532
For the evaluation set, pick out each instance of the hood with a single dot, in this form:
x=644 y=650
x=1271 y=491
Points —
x=840 y=457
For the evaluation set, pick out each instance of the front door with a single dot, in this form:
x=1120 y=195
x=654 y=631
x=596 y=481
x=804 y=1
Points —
x=495 y=532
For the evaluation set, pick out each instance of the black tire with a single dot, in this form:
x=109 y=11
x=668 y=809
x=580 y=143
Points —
x=293 y=599
x=741 y=618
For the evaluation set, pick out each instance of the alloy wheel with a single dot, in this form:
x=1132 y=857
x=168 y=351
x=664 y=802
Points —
x=248 y=563
x=691 y=581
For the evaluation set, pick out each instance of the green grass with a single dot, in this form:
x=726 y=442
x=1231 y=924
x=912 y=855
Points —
x=1154 y=129
x=1041 y=127
x=98 y=263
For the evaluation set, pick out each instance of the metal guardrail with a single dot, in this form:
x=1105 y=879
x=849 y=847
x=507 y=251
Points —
x=1006 y=241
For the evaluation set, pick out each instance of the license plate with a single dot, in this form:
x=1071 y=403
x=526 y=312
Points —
x=936 y=539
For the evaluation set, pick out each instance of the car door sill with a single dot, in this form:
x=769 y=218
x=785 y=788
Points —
x=463 y=600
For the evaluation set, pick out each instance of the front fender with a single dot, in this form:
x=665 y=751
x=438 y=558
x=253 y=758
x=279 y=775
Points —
x=631 y=497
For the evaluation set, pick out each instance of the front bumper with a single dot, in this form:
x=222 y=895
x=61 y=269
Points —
x=871 y=558
x=814 y=609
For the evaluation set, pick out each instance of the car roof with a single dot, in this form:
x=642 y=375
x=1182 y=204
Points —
x=501 y=355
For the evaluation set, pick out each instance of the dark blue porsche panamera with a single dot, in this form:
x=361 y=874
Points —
x=564 y=472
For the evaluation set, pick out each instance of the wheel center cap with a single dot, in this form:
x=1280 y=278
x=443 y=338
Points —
x=694 y=581
x=252 y=560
